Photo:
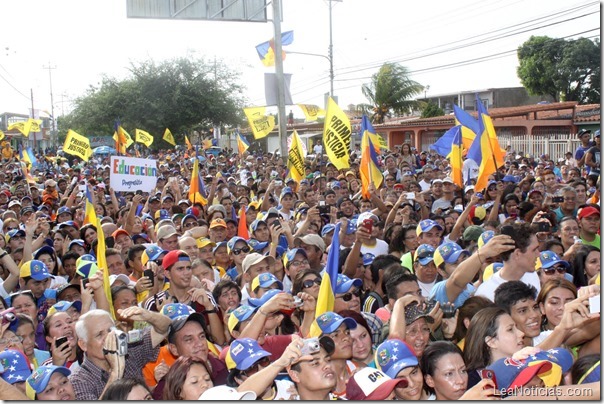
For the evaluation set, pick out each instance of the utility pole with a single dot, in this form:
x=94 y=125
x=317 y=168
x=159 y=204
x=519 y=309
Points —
x=31 y=90
x=53 y=129
x=280 y=81
x=330 y=52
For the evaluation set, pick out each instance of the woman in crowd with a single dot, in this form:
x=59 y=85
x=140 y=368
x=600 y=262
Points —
x=24 y=302
x=127 y=390
x=88 y=234
x=187 y=379
x=26 y=330
x=362 y=346
x=585 y=265
x=50 y=383
x=554 y=294
x=59 y=332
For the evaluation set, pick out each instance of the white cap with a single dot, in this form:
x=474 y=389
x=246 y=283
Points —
x=468 y=188
x=120 y=277
x=448 y=180
x=226 y=393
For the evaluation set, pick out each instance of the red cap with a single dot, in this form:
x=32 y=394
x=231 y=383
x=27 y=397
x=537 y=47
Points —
x=174 y=256
x=371 y=384
x=588 y=211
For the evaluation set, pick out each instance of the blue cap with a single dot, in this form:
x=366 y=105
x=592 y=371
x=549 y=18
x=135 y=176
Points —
x=449 y=253
x=329 y=322
x=63 y=209
x=548 y=259
x=265 y=298
x=240 y=314
x=152 y=253
x=177 y=310
x=162 y=214
x=336 y=185
x=77 y=241
x=68 y=223
x=256 y=223
x=394 y=355
x=188 y=216
x=492 y=182
x=344 y=283
x=327 y=229
x=368 y=259
x=592 y=374
x=511 y=373
x=352 y=227
x=485 y=237
x=509 y=178
x=257 y=245
x=231 y=243
x=427 y=225
x=34 y=269
x=291 y=254
x=46 y=249
x=560 y=356
x=36 y=383
x=64 y=306
x=266 y=280
x=15 y=232
x=218 y=245
x=286 y=191
x=424 y=254
x=16 y=366
x=50 y=294
x=244 y=352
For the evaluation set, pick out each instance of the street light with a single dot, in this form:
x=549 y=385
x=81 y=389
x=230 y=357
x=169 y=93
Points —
x=426 y=92
x=329 y=59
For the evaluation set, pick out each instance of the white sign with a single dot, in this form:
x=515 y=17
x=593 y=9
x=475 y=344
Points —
x=133 y=174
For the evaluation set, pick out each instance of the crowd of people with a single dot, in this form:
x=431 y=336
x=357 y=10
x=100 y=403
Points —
x=442 y=292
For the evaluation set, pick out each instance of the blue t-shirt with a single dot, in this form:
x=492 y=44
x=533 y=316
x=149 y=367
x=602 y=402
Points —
x=439 y=293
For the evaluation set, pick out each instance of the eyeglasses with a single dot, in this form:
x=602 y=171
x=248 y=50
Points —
x=244 y=249
x=11 y=341
x=264 y=362
x=309 y=282
x=414 y=332
x=17 y=238
x=348 y=296
x=552 y=270
x=298 y=263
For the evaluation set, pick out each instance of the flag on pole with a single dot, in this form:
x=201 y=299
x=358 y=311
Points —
x=143 y=137
x=242 y=144
x=469 y=126
x=260 y=123
x=379 y=142
x=168 y=137
x=370 y=172
x=101 y=262
x=77 y=145
x=311 y=112
x=336 y=135
x=123 y=140
x=456 y=159
x=295 y=158
x=266 y=50
x=327 y=295
x=189 y=145
x=89 y=214
x=242 y=230
x=197 y=190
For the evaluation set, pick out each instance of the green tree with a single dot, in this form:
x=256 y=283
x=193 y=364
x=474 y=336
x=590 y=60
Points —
x=565 y=69
x=184 y=94
x=430 y=109
x=391 y=91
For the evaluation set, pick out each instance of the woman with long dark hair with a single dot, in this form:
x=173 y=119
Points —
x=127 y=390
x=187 y=379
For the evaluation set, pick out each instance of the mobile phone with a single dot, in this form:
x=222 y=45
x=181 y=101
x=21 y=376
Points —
x=149 y=274
x=479 y=195
x=594 y=304
x=507 y=230
x=543 y=227
x=323 y=209
x=60 y=341
x=85 y=282
x=488 y=374
x=368 y=224
x=558 y=199
x=339 y=215
x=410 y=196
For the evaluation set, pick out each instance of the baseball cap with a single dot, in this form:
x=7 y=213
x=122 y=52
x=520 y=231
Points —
x=329 y=322
x=394 y=355
x=427 y=225
x=485 y=237
x=185 y=201
x=344 y=283
x=313 y=239
x=368 y=259
x=414 y=312
x=562 y=360
x=587 y=211
x=328 y=228
x=151 y=253
x=255 y=258
x=179 y=322
x=477 y=214
x=38 y=380
x=286 y=191
x=468 y=188
x=266 y=280
x=240 y=314
x=509 y=178
x=15 y=233
x=424 y=254
x=372 y=384
x=16 y=366
x=168 y=196
x=121 y=277
x=231 y=243
x=583 y=132
x=45 y=249
x=68 y=223
x=176 y=310
x=512 y=373
x=64 y=306
x=86 y=268
x=174 y=256
x=592 y=374
x=13 y=203
x=243 y=353
x=66 y=286
x=291 y=254
x=449 y=253
x=342 y=200
x=119 y=232
x=218 y=222
x=141 y=235
x=166 y=231
x=472 y=233
x=257 y=302
x=226 y=393
x=202 y=242
x=548 y=259
x=490 y=270
x=162 y=214
x=256 y=223
x=34 y=269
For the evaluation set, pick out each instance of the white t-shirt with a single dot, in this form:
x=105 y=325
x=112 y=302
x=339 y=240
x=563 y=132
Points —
x=380 y=248
x=469 y=167
x=426 y=288
x=318 y=149
x=425 y=185
x=487 y=289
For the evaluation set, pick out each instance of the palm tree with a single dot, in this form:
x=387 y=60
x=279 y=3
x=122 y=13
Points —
x=391 y=91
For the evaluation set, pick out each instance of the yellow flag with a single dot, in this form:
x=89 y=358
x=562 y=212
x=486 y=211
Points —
x=101 y=262
x=24 y=127
x=260 y=123
x=311 y=112
x=77 y=145
x=188 y=143
x=143 y=137
x=169 y=138
x=125 y=139
x=336 y=135
x=295 y=158
x=1 y=135
x=35 y=125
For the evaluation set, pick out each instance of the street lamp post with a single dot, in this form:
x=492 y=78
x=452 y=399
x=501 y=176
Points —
x=426 y=92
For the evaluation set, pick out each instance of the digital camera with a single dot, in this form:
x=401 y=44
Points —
x=311 y=346
x=122 y=342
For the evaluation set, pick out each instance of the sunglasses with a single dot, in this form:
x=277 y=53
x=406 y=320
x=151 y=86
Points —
x=348 y=296
x=264 y=362
x=17 y=238
x=309 y=282
x=552 y=270
x=190 y=224
x=244 y=249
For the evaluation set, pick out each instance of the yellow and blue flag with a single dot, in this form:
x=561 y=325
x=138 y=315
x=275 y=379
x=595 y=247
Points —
x=89 y=214
x=242 y=144
x=370 y=172
x=266 y=50
x=469 y=126
x=197 y=189
x=101 y=262
x=486 y=124
x=455 y=158
x=327 y=291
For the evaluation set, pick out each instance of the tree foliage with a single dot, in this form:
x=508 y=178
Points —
x=183 y=94
x=430 y=109
x=567 y=70
x=391 y=91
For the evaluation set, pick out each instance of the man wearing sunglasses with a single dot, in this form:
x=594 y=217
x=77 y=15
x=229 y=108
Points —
x=348 y=294
x=294 y=261
x=237 y=248
x=551 y=266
